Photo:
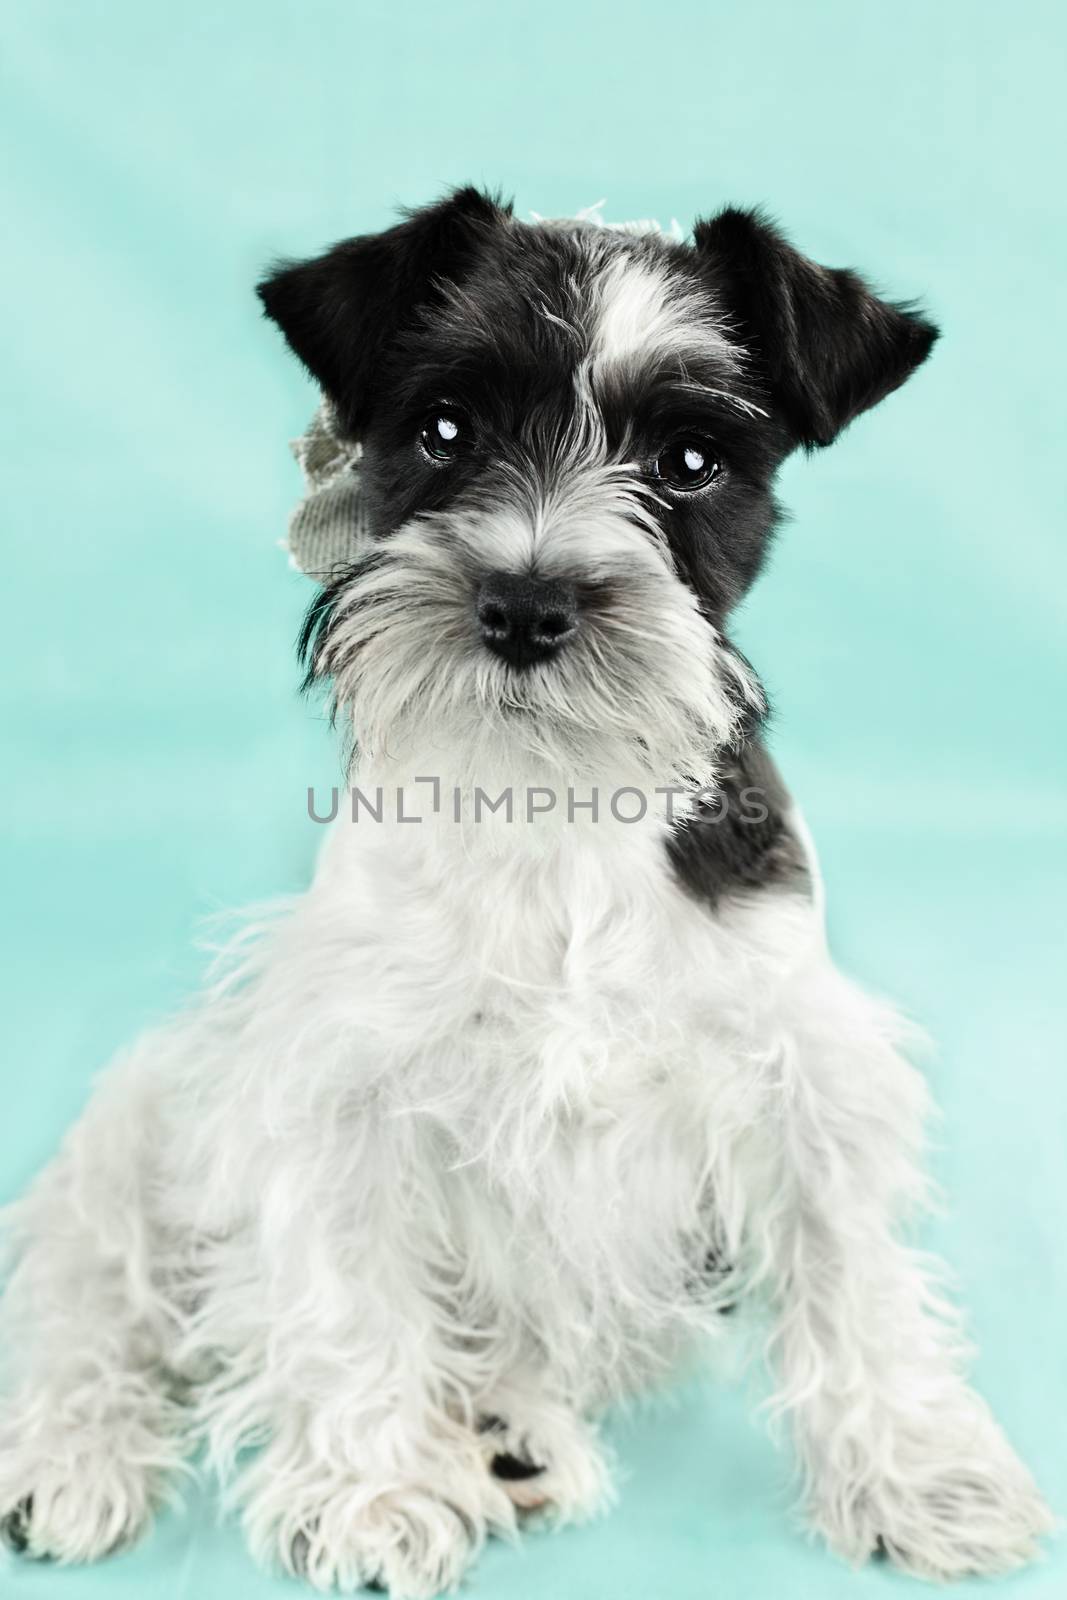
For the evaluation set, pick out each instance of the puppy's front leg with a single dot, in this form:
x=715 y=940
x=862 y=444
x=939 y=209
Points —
x=897 y=1451
x=92 y=1432
x=358 y=1367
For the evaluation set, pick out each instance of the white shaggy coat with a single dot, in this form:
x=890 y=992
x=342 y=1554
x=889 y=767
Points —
x=431 y=1152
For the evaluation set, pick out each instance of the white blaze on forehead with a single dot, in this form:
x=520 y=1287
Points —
x=640 y=310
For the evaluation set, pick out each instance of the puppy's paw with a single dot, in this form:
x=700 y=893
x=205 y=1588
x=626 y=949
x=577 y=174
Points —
x=79 y=1511
x=548 y=1461
x=972 y=1513
x=408 y=1542
x=965 y=1521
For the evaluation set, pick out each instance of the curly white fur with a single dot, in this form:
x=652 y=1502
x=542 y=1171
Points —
x=449 y=1141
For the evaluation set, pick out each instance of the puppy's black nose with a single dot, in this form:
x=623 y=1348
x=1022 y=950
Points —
x=526 y=619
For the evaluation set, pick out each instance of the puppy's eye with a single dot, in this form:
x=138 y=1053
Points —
x=444 y=434
x=689 y=463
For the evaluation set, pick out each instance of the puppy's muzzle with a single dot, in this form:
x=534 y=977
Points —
x=525 y=619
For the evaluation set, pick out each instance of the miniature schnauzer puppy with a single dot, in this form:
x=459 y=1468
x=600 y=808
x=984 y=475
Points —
x=491 y=1126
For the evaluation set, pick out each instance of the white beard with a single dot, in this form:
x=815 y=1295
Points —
x=647 y=693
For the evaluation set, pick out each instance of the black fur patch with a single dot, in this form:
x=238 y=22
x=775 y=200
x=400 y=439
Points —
x=742 y=840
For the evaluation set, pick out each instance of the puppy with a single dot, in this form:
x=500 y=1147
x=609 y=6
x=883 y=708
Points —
x=550 y=1067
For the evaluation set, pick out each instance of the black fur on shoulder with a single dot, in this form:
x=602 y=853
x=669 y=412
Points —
x=742 y=841
x=826 y=346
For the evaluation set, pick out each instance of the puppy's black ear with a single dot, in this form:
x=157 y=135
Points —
x=340 y=310
x=825 y=345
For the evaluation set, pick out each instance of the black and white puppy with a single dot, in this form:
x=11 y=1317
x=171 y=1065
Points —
x=488 y=1127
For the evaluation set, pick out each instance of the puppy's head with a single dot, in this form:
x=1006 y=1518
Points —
x=570 y=436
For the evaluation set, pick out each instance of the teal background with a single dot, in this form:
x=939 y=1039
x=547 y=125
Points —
x=911 y=628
